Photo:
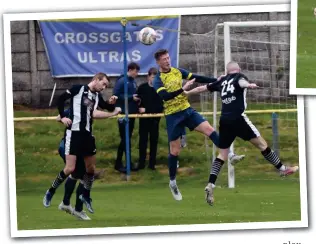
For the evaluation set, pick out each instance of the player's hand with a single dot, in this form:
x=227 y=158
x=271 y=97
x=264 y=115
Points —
x=117 y=110
x=186 y=93
x=136 y=98
x=66 y=121
x=58 y=118
x=188 y=84
x=253 y=86
x=220 y=77
x=141 y=110
x=113 y=99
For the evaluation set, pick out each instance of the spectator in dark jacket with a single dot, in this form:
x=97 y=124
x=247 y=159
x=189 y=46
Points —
x=150 y=103
x=133 y=101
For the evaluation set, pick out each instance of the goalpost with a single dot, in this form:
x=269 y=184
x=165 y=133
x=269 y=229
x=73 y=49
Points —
x=262 y=50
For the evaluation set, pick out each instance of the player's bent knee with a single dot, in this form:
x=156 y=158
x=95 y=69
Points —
x=262 y=147
x=69 y=169
x=223 y=154
x=175 y=151
x=223 y=157
x=205 y=128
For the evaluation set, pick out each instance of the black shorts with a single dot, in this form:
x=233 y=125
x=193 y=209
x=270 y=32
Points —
x=79 y=143
x=240 y=127
x=80 y=168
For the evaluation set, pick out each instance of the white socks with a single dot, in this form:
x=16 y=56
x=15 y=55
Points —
x=282 y=168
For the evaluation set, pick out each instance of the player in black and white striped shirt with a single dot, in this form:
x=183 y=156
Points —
x=234 y=123
x=79 y=140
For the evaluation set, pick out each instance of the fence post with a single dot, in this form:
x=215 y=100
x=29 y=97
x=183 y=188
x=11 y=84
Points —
x=275 y=131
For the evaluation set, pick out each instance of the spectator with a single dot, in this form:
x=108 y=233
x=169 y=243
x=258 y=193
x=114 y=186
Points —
x=133 y=101
x=150 y=103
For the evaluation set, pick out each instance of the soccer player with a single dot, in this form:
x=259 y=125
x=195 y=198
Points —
x=178 y=112
x=234 y=123
x=80 y=170
x=84 y=99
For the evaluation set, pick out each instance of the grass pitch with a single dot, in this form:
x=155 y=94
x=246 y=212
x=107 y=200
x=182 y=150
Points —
x=306 y=38
x=260 y=194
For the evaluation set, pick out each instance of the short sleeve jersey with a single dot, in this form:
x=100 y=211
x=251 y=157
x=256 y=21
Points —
x=232 y=95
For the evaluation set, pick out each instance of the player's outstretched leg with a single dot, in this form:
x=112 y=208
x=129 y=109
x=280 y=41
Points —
x=284 y=170
x=78 y=210
x=271 y=157
x=69 y=168
x=51 y=191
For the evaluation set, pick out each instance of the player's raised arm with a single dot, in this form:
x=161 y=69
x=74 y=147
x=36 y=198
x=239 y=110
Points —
x=162 y=91
x=105 y=104
x=196 y=90
x=243 y=83
x=97 y=114
x=198 y=78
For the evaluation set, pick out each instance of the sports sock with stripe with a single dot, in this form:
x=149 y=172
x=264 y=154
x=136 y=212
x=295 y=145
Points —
x=216 y=168
x=58 y=181
x=88 y=179
x=272 y=158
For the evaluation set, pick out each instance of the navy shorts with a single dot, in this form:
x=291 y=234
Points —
x=80 y=168
x=177 y=122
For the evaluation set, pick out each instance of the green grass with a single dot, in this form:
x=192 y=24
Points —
x=260 y=194
x=306 y=51
x=152 y=204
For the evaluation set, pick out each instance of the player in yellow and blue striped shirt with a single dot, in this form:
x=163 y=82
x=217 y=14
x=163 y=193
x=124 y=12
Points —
x=178 y=111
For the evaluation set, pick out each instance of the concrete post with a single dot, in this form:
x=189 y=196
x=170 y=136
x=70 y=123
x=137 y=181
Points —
x=35 y=82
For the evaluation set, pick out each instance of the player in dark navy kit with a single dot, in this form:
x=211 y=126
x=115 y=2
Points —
x=234 y=123
x=79 y=140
